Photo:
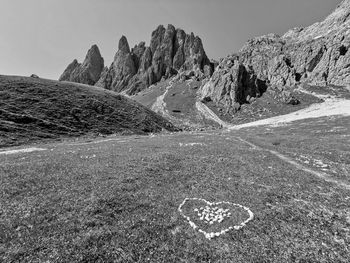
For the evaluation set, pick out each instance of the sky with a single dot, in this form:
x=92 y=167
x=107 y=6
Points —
x=43 y=36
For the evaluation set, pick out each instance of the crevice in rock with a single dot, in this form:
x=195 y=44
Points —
x=298 y=77
x=325 y=76
x=346 y=17
x=343 y=50
x=174 y=49
x=314 y=62
x=288 y=62
x=262 y=87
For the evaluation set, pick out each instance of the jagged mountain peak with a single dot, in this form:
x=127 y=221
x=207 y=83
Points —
x=94 y=49
x=171 y=50
x=89 y=71
x=94 y=57
x=124 y=45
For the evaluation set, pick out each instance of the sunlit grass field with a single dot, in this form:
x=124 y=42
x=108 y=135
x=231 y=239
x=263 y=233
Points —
x=117 y=200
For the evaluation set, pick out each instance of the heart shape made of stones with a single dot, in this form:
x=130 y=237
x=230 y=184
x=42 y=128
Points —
x=214 y=219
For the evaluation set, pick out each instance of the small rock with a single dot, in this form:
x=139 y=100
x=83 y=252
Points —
x=293 y=101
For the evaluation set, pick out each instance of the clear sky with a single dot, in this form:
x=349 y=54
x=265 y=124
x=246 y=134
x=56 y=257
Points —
x=44 y=36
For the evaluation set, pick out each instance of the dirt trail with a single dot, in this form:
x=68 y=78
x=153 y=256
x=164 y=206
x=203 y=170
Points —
x=209 y=114
x=26 y=150
x=160 y=105
x=324 y=176
x=95 y=142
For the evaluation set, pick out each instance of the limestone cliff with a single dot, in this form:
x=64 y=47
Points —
x=171 y=50
x=88 y=72
x=317 y=55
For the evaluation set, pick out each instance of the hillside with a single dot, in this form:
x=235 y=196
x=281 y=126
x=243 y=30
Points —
x=176 y=101
x=34 y=109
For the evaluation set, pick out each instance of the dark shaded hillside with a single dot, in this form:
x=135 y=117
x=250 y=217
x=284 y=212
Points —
x=35 y=109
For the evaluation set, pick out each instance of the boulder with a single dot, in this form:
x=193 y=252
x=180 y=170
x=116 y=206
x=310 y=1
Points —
x=231 y=85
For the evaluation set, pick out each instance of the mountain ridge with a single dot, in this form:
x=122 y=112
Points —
x=88 y=72
x=314 y=55
x=170 y=51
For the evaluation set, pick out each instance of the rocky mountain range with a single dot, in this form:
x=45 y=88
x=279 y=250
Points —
x=316 y=55
x=171 y=50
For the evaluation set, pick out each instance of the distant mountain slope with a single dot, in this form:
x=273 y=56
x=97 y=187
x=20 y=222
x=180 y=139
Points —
x=176 y=100
x=33 y=109
x=316 y=55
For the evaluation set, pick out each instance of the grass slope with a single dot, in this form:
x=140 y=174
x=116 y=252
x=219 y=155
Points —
x=116 y=201
x=35 y=109
x=179 y=102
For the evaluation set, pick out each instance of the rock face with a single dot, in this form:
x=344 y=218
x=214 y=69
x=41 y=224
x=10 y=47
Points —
x=231 y=85
x=122 y=69
x=89 y=72
x=317 y=55
x=171 y=50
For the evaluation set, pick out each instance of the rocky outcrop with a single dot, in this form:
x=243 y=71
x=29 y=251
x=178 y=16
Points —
x=102 y=77
x=171 y=50
x=122 y=69
x=68 y=73
x=317 y=55
x=89 y=72
x=137 y=52
x=231 y=85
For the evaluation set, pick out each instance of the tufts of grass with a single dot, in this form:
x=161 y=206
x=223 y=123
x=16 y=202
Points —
x=120 y=204
x=37 y=109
